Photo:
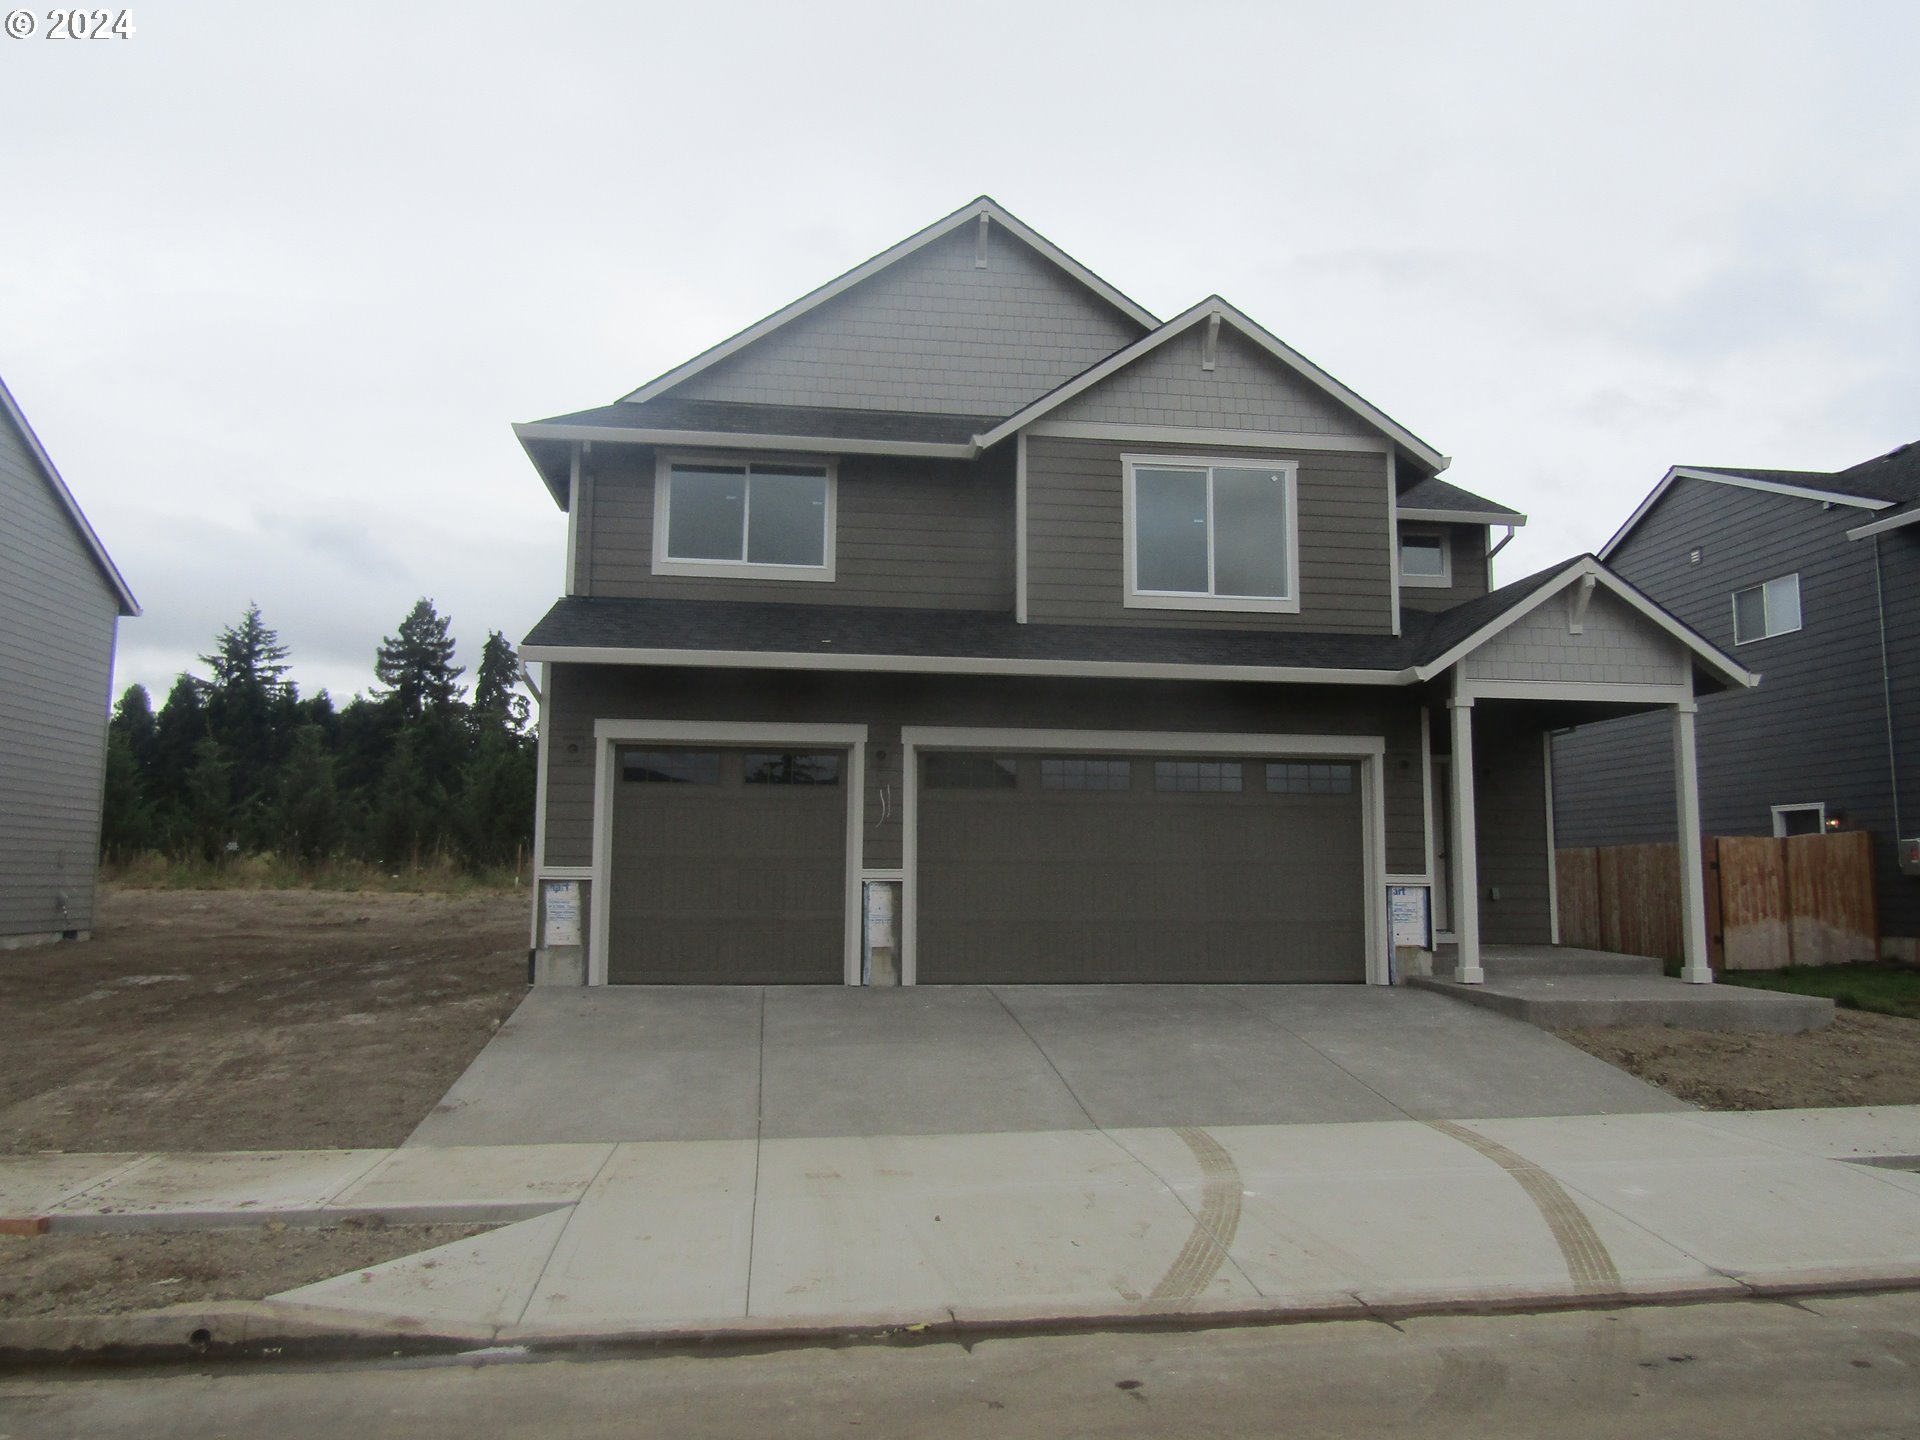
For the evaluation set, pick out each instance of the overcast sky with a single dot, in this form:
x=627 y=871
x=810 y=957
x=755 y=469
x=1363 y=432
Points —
x=276 y=279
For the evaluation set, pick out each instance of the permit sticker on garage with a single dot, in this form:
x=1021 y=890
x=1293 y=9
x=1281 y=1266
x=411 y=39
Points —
x=563 y=911
x=1407 y=910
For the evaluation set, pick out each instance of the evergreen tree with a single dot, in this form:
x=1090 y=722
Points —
x=496 y=803
x=126 y=817
x=209 y=801
x=177 y=731
x=417 y=666
x=307 y=808
x=133 y=722
x=249 y=707
x=248 y=657
x=497 y=702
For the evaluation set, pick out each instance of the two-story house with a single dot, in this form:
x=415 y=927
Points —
x=1086 y=645
x=61 y=600
x=1813 y=578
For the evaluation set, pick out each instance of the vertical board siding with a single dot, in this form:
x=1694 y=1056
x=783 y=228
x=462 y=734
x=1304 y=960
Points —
x=1246 y=390
x=1816 y=727
x=1469 y=546
x=931 y=534
x=931 y=333
x=57 y=619
x=1616 y=645
x=581 y=694
x=1076 y=565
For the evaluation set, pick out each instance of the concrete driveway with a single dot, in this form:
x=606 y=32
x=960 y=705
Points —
x=790 y=1062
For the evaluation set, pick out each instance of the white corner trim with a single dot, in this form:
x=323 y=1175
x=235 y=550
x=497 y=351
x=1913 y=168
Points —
x=1553 y=860
x=742 y=569
x=1369 y=751
x=813 y=299
x=573 y=521
x=1393 y=534
x=1738 y=482
x=609 y=733
x=1020 y=528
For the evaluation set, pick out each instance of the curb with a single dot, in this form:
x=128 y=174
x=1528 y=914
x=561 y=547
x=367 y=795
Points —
x=268 y=1331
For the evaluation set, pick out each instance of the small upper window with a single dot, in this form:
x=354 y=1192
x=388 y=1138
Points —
x=771 y=519
x=1211 y=534
x=1426 y=560
x=1769 y=609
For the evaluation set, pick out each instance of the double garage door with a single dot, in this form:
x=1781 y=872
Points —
x=729 y=866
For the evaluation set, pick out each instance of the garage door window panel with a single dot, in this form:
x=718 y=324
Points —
x=670 y=767
x=959 y=770
x=1212 y=534
x=1211 y=777
x=1085 y=772
x=789 y=767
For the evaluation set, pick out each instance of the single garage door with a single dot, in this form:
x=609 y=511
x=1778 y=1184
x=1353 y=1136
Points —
x=728 y=867
x=1114 y=868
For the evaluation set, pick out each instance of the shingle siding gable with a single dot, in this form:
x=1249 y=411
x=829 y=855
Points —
x=931 y=333
x=57 y=619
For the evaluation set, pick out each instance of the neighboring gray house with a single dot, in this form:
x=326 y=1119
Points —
x=1059 y=642
x=1813 y=578
x=60 y=600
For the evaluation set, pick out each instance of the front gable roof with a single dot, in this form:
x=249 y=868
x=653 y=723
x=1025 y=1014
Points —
x=44 y=462
x=1203 y=313
x=984 y=213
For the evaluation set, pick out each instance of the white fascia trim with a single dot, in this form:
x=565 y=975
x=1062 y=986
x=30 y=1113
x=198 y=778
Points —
x=1368 y=750
x=960 y=665
x=1738 y=482
x=1724 y=665
x=1880 y=527
x=815 y=298
x=1292 y=359
x=129 y=606
x=727 y=440
x=1185 y=435
x=1465 y=517
x=609 y=733
x=1598 y=692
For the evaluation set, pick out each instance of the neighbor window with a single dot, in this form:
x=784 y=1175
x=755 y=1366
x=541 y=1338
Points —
x=1769 y=609
x=1425 y=561
x=766 y=518
x=1207 y=534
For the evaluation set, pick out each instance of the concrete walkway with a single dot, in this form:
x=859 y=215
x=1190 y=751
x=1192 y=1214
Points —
x=748 y=1236
x=634 y=1063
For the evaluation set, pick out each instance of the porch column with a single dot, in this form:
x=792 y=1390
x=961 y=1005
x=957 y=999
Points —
x=1466 y=860
x=1693 y=906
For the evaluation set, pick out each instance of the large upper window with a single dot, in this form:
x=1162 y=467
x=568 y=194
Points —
x=1208 y=534
x=771 y=519
x=1769 y=609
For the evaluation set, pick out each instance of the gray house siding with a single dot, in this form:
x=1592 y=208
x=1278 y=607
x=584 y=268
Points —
x=1246 y=390
x=1615 y=646
x=931 y=333
x=1468 y=544
x=1510 y=810
x=935 y=534
x=580 y=694
x=1816 y=728
x=1076 y=564
x=57 y=620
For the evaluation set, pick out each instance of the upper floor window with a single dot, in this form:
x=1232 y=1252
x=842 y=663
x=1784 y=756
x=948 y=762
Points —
x=1769 y=609
x=765 y=519
x=1211 y=534
x=1426 y=560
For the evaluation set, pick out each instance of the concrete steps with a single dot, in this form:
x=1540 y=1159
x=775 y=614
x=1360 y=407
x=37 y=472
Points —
x=1581 y=1000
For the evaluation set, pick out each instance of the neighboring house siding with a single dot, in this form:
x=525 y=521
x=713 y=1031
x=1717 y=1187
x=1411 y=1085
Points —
x=1615 y=646
x=1469 y=546
x=930 y=534
x=1076 y=565
x=1816 y=728
x=57 y=618
x=931 y=333
x=1246 y=390
x=580 y=694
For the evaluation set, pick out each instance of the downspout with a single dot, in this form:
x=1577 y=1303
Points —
x=1886 y=695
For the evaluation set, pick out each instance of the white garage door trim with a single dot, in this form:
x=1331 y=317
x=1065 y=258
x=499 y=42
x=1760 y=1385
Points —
x=609 y=733
x=1368 y=751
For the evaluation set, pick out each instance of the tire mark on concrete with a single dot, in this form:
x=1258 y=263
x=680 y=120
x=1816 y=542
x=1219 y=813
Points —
x=1214 y=1228
x=1589 y=1264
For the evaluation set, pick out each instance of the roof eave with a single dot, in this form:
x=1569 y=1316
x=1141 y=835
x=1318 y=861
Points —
x=1738 y=482
x=1881 y=527
x=1464 y=517
x=737 y=440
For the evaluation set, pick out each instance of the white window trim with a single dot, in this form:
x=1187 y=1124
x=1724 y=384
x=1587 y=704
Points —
x=1733 y=603
x=1138 y=599
x=1780 y=813
x=665 y=564
x=1442 y=581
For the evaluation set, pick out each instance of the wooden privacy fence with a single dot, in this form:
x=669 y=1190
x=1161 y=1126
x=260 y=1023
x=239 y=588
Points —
x=1801 y=900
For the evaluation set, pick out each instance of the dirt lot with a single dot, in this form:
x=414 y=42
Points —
x=251 y=1020
x=1860 y=1059
x=114 y=1274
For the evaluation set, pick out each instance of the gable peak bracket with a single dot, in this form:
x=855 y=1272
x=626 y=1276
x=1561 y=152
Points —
x=980 y=241
x=1210 y=345
x=1577 y=606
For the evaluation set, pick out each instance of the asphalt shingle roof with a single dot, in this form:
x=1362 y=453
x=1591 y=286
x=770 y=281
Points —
x=1433 y=493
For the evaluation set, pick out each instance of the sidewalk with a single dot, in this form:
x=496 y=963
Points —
x=739 y=1236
